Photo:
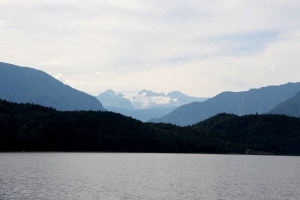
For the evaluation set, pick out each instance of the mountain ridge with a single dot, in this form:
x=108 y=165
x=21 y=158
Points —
x=23 y=84
x=252 y=101
x=290 y=107
x=110 y=99
x=146 y=99
x=146 y=104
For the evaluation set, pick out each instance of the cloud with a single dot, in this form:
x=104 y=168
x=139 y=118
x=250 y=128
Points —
x=98 y=74
x=209 y=46
x=51 y=63
x=61 y=78
x=274 y=67
x=245 y=43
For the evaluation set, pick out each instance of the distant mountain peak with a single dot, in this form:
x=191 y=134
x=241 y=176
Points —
x=145 y=99
x=143 y=91
x=175 y=94
x=110 y=99
x=154 y=94
x=110 y=92
x=120 y=95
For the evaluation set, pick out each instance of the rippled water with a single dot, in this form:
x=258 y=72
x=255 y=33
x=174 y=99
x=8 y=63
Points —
x=147 y=176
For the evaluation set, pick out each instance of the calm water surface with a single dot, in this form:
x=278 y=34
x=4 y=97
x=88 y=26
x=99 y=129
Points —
x=147 y=176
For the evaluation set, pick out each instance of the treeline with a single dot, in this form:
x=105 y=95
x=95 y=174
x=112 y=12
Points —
x=27 y=127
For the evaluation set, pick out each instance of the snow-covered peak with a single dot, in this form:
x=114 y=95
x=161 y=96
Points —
x=146 y=99
x=149 y=99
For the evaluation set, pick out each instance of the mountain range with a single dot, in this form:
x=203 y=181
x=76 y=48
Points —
x=146 y=99
x=28 y=85
x=253 y=101
x=146 y=104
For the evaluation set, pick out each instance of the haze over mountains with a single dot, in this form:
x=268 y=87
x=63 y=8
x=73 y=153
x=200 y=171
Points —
x=241 y=103
x=24 y=84
x=145 y=104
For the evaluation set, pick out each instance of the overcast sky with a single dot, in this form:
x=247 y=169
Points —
x=200 y=48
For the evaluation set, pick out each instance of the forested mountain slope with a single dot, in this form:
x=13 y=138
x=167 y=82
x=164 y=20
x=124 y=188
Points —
x=27 y=127
x=143 y=115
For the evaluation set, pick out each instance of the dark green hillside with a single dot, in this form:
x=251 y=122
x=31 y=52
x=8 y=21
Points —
x=23 y=84
x=28 y=127
x=268 y=133
x=290 y=107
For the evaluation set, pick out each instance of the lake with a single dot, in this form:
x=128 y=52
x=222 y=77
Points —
x=148 y=176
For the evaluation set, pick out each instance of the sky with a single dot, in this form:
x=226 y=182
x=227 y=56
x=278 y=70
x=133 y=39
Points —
x=200 y=48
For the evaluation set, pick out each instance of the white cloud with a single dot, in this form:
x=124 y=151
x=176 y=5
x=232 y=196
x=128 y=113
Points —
x=98 y=74
x=198 y=47
x=61 y=78
x=51 y=63
x=274 y=67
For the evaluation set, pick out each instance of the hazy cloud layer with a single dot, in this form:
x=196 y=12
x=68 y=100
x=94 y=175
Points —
x=198 y=47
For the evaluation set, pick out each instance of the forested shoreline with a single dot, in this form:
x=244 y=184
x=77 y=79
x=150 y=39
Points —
x=28 y=127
